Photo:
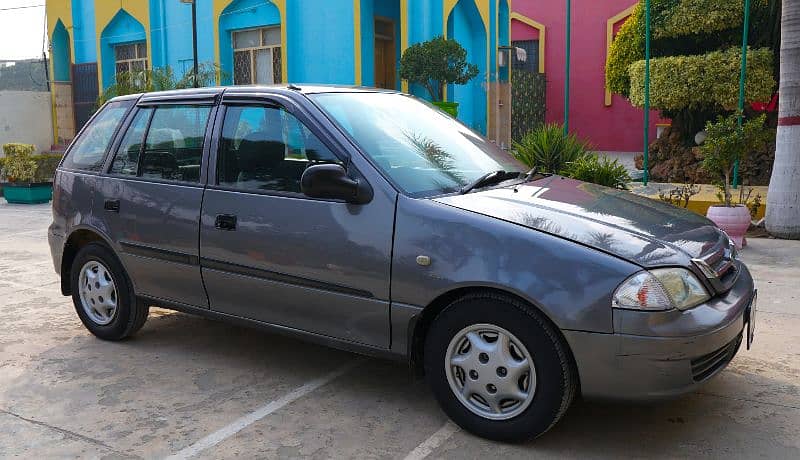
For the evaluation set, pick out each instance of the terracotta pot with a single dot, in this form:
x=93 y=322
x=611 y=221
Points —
x=734 y=220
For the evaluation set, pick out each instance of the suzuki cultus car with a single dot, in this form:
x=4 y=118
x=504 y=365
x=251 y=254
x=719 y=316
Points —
x=370 y=221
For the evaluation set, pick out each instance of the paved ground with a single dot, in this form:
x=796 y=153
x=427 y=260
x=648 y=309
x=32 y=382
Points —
x=191 y=386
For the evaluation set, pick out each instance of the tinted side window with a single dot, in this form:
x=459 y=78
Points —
x=126 y=161
x=88 y=151
x=267 y=148
x=173 y=148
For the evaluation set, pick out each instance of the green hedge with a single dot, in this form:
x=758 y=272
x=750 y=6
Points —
x=689 y=17
x=46 y=166
x=708 y=80
x=677 y=25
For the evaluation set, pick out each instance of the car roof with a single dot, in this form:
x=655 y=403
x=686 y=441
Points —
x=211 y=92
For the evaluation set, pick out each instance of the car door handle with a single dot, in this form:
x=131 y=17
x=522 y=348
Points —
x=225 y=222
x=111 y=205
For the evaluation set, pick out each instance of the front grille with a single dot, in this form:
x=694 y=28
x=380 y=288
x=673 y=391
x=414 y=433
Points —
x=706 y=365
x=719 y=265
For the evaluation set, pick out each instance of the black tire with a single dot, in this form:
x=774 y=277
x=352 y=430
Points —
x=130 y=315
x=555 y=373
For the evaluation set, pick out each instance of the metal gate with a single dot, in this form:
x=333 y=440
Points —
x=527 y=102
x=84 y=92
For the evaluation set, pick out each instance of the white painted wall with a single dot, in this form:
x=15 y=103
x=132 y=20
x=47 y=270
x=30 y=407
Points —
x=26 y=117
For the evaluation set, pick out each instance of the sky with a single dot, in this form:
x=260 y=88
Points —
x=21 y=30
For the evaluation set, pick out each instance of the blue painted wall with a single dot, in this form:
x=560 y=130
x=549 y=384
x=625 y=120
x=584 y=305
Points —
x=124 y=28
x=425 y=22
x=171 y=33
x=465 y=26
x=83 y=31
x=61 y=53
x=502 y=36
x=321 y=45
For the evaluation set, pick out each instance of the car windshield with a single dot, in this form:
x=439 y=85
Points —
x=420 y=148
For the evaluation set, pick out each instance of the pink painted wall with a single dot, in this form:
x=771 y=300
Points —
x=616 y=128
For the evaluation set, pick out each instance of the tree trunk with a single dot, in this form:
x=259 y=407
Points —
x=783 y=198
x=727 y=198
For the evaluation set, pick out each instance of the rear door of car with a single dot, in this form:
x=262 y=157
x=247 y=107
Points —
x=272 y=254
x=150 y=197
x=78 y=174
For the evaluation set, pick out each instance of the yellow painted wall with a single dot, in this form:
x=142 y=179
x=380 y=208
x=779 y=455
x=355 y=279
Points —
x=220 y=5
x=55 y=10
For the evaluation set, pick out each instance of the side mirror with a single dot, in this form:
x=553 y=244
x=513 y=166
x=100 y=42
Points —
x=331 y=181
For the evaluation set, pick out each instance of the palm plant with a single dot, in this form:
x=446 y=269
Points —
x=548 y=149
x=783 y=211
x=159 y=79
x=599 y=170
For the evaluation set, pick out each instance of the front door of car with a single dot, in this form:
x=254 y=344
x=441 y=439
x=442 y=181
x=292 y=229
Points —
x=272 y=254
x=151 y=197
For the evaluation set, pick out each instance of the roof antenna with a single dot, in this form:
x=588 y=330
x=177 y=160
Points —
x=293 y=87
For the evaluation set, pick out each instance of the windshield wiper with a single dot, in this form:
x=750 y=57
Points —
x=531 y=173
x=494 y=177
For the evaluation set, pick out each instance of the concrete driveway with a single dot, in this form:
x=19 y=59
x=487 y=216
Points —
x=187 y=386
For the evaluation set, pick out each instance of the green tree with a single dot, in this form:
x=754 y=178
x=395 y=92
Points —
x=726 y=144
x=436 y=63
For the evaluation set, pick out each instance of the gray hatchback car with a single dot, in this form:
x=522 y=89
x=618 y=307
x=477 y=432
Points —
x=368 y=220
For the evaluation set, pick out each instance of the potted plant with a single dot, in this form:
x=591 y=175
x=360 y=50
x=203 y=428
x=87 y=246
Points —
x=20 y=167
x=725 y=144
x=434 y=64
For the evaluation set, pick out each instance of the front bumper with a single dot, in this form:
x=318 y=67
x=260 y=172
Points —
x=656 y=355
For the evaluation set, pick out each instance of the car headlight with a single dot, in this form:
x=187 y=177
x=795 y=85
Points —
x=660 y=289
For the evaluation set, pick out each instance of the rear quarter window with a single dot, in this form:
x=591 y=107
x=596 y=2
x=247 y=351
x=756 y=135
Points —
x=88 y=151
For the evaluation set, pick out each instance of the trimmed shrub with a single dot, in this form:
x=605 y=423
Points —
x=686 y=27
x=18 y=165
x=688 y=17
x=14 y=148
x=46 y=166
x=627 y=48
x=547 y=149
x=697 y=82
x=21 y=166
x=597 y=170
x=436 y=63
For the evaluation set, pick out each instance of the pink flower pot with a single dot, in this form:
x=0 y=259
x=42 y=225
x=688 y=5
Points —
x=734 y=220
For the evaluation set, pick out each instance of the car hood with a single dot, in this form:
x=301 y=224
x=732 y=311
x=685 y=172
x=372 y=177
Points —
x=643 y=231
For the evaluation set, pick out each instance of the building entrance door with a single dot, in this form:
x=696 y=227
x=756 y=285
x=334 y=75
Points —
x=385 y=54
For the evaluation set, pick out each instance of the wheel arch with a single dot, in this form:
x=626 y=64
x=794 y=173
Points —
x=419 y=327
x=79 y=238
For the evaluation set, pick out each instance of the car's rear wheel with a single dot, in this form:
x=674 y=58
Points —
x=103 y=295
x=498 y=368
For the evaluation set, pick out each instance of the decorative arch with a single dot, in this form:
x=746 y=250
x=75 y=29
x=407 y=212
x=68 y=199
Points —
x=541 y=30
x=234 y=15
x=613 y=21
x=61 y=53
x=465 y=24
x=122 y=29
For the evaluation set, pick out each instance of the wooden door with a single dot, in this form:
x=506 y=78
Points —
x=385 y=54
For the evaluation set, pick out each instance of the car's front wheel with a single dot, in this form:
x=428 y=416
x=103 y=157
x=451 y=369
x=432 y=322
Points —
x=103 y=295
x=498 y=368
